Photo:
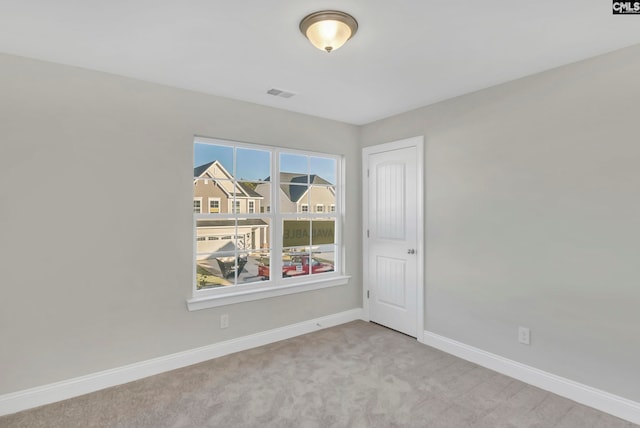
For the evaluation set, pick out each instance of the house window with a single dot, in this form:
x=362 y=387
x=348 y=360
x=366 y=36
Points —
x=332 y=208
x=256 y=256
x=214 y=205
x=197 y=205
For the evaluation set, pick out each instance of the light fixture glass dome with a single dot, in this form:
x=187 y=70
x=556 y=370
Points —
x=328 y=30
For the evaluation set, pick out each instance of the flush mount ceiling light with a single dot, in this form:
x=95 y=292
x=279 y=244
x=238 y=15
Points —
x=328 y=29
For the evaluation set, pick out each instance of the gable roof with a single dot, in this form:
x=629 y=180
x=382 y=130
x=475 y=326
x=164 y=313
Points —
x=248 y=190
x=294 y=186
x=202 y=169
x=198 y=171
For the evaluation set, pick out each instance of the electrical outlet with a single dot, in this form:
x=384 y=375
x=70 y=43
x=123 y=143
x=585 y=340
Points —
x=224 y=321
x=524 y=335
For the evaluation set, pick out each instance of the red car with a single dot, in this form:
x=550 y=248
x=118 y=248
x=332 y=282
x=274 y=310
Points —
x=299 y=265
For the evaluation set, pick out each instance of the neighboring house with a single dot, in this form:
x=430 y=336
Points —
x=298 y=196
x=215 y=192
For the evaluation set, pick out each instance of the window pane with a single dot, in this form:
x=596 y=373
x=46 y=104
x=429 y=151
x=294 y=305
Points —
x=214 y=270
x=206 y=156
x=324 y=168
x=323 y=232
x=252 y=165
x=253 y=266
x=296 y=233
x=323 y=259
x=294 y=165
x=293 y=197
x=259 y=194
x=263 y=260
x=295 y=262
x=253 y=234
x=323 y=197
x=215 y=236
x=214 y=194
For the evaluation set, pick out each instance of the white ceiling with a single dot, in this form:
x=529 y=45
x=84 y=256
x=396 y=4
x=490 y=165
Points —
x=406 y=54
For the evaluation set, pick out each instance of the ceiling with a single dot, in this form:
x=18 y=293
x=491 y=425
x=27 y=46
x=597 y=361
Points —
x=406 y=54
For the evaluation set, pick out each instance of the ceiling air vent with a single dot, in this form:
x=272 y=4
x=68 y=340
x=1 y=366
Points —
x=280 y=93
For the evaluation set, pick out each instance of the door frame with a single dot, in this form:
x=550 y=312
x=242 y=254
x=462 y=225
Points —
x=418 y=143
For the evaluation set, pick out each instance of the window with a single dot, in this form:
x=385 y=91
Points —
x=276 y=251
x=214 y=205
x=234 y=207
x=197 y=205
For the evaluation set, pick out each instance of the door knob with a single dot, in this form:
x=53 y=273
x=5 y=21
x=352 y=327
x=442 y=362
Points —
x=411 y=251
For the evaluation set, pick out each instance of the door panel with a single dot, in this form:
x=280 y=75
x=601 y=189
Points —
x=392 y=259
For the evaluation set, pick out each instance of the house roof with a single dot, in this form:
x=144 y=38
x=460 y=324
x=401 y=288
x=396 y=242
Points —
x=200 y=170
x=249 y=191
x=294 y=186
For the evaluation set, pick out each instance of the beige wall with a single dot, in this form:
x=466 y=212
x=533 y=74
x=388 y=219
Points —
x=108 y=284
x=532 y=215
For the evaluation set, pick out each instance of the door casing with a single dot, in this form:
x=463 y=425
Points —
x=418 y=143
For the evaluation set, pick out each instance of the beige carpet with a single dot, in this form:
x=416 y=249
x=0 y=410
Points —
x=355 y=375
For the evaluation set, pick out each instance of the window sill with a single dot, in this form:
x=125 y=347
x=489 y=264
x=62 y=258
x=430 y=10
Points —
x=212 y=301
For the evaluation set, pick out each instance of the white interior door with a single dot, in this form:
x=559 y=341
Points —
x=393 y=215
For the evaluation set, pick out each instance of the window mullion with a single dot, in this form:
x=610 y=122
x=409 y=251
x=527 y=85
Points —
x=276 y=242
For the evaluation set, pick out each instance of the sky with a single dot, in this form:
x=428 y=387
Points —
x=254 y=164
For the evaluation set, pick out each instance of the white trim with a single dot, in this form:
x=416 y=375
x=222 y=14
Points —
x=583 y=394
x=249 y=208
x=418 y=143
x=243 y=294
x=38 y=396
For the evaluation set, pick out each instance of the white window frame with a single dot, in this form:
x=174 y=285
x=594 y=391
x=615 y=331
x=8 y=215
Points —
x=199 y=200
x=251 y=207
x=332 y=208
x=320 y=205
x=302 y=208
x=276 y=285
x=219 y=205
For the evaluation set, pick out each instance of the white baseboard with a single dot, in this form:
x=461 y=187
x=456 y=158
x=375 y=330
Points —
x=38 y=396
x=583 y=394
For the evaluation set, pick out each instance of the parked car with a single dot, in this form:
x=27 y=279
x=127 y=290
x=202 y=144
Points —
x=298 y=265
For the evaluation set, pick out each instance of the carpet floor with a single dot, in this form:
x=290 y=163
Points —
x=354 y=375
